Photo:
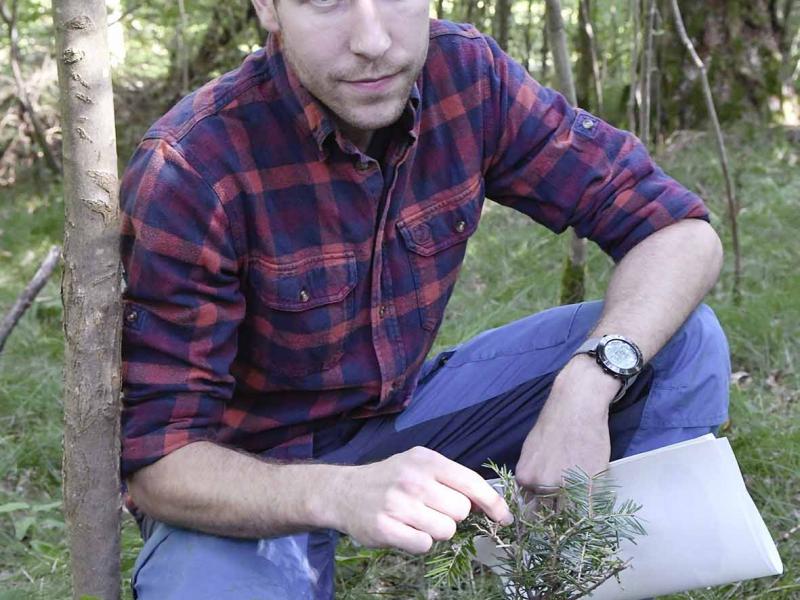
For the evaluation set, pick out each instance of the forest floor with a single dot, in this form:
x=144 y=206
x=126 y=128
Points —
x=512 y=269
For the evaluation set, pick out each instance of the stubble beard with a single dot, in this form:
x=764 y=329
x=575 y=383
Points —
x=327 y=91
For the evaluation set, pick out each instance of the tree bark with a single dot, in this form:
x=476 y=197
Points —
x=658 y=81
x=10 y=18
x=589 y=62
x=573 y=283
x=634 y=74
x=502 y=15
x=733 y=206
x=529 y=38
x=29 y=294
x=91 y=296
x=782 y=24
x=558 y=43
x=183 y=50
x=647 y=75
x=470 y=13
x=545 y=52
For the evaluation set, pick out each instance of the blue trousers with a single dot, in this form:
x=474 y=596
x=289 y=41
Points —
x=474 y=402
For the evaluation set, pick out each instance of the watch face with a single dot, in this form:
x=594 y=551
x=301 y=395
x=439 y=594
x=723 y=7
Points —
x=621 y=355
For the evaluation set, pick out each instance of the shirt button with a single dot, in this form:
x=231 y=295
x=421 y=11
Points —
x=421 y=234
x=363 y=165
x=588 y=124
x=382 y=311
x=304 y=295
x=131 y=316
x=461 y=226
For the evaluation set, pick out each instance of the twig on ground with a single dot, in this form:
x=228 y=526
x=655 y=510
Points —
x=28 y=295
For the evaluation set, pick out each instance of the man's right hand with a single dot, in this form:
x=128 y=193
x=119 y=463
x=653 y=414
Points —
x=410 y=499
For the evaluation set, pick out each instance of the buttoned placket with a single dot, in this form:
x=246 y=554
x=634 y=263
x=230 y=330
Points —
x=391 y=357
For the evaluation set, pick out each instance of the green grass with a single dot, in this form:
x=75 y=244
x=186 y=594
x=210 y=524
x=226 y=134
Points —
x=512 y=269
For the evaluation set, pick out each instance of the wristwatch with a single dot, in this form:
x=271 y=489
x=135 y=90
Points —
x=617 y=356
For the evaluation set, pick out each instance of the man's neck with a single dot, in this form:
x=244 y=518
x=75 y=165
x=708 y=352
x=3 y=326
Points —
x=361 y=138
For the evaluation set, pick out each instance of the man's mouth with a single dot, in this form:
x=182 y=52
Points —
x=373 y=84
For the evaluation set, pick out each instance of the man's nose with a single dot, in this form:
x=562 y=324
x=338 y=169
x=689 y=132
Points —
x=368 y=37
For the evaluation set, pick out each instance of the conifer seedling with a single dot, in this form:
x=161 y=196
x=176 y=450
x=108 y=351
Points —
x=560 y=547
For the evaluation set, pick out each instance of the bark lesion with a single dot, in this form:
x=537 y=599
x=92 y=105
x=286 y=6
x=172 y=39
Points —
x=101 y=207
x=78 y=23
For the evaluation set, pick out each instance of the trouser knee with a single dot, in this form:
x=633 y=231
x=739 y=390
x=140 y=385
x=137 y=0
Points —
x=691 y=375
x=699 y=346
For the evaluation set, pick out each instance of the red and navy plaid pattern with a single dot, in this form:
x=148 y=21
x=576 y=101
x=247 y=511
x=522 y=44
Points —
x=278 y=278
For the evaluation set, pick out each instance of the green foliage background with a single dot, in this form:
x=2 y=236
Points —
x=512 y=267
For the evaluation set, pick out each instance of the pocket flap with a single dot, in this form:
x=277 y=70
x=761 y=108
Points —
x=440 y=227
x=307 y=283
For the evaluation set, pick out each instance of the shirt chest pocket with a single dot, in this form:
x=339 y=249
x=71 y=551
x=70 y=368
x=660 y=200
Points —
x=435 y=240
x=302 y=311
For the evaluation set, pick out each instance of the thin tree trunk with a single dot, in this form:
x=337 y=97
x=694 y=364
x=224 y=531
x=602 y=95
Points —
x=647 y=79
x=583 y=65
x=482 y=10
x=440 y=9
x=502 y=16
x=10 y=18
x=733 y=206
x=634 y=78
x=597 y=77
x=529 y=38
x=183 y=50
x=545 y=52
x=558 y=42
x=613 y=44
x=573 y=284
x=91 y=296
x=788 y=41
x=657 y=91
x=29 y=294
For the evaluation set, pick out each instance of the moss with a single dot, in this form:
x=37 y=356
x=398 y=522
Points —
x=573 y=283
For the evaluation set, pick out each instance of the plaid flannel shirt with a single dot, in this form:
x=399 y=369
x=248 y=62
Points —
x=278 y=278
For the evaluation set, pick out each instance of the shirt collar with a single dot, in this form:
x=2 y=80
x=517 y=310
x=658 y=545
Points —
x=313 y=117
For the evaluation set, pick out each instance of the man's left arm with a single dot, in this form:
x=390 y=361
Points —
x=652 y=292
x=564 y=168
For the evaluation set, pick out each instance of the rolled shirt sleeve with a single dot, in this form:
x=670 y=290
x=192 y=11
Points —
x=565 y=167
x=182 y=306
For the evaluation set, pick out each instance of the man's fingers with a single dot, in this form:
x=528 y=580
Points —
x=447 y=501
x=404 y=537
x=437 y=525
x=472 y=485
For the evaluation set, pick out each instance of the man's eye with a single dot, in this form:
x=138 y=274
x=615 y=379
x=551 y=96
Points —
x=325 y=3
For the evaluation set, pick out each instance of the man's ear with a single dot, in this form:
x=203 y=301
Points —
x=265 y=9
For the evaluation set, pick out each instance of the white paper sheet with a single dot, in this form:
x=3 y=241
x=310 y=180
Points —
x=702 y=526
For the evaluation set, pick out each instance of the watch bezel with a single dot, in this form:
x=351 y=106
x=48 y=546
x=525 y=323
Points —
x=615 y=369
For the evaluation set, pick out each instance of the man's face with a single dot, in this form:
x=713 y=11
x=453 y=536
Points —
x=358 y=57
